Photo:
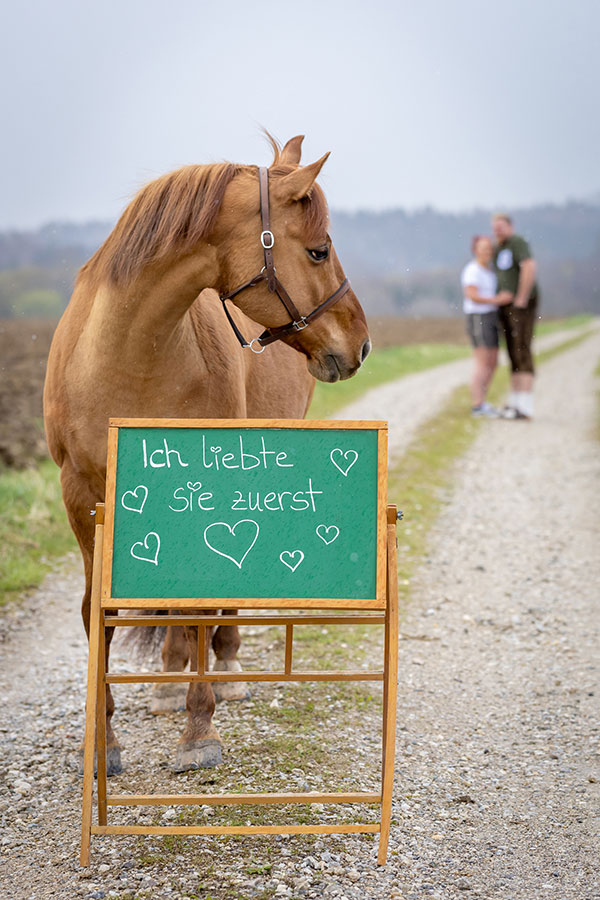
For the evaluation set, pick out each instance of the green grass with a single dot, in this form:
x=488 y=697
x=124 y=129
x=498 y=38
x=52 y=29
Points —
x=542 y=327
x=33 y=528
x=382 y=365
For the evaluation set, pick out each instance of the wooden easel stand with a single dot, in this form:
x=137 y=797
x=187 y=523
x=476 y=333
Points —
x=104 y=614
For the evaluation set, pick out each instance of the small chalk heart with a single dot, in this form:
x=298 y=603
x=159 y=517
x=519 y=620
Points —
x=151 y=558
x=351 y=455
x=215 y=449
x=131 y=504
x=328 y=533
x=294 y=558
x=194 y=485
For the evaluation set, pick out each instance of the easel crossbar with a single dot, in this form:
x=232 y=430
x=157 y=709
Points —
x=238 y=799
x=157 y=677
x=237 y=829
x=116 y=621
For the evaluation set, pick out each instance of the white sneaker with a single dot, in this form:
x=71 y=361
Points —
x=485 y=410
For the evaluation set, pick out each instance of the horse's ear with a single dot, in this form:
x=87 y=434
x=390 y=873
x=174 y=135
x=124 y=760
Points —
x=297 y=184
x=290 y=155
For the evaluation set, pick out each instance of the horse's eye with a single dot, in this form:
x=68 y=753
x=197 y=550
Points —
x=319 y=254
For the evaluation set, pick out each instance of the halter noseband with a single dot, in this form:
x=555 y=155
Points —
x=268 y=273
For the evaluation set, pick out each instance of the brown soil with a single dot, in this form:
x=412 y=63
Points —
x=388 y=331
x=24 y=345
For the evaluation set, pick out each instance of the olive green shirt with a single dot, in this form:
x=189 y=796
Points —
x=508 y=257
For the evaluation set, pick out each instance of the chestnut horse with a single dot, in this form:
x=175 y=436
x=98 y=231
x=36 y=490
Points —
x=145 y=335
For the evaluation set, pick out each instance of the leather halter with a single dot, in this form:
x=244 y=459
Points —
x=268 y=273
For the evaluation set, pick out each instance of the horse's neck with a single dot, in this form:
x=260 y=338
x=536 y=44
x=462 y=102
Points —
x=148 y=318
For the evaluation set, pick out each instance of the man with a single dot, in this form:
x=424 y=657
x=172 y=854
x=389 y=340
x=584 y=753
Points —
x=516 y=270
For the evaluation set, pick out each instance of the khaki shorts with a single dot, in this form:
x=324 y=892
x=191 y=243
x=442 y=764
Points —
x=482 y=329
x=518 y=325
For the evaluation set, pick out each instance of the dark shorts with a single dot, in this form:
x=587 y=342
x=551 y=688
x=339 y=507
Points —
x=518 y=325
x=482 y=329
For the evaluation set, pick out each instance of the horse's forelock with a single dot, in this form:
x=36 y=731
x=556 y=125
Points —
x=314 y=206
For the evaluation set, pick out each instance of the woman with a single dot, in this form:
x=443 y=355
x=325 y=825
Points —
x=481 y=302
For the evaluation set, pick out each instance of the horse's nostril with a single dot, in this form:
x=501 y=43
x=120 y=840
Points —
x=366 y=349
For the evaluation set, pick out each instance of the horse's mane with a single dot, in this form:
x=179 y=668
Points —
x=176 y=211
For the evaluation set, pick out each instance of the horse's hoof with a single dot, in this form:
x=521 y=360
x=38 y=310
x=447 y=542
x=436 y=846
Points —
x=229 y=690
x=113 y=762
x=204 y=754
x=168 y=698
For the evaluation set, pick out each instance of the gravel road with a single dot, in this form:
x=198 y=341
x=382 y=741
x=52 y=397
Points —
x=498 y=768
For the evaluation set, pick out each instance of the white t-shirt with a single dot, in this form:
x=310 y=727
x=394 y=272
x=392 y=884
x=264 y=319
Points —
x=474 y=275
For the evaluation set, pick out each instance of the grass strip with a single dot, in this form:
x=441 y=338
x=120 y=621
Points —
x=553 y=325
x=34 y=530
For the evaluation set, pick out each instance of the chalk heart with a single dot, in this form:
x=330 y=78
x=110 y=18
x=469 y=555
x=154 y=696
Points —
x=328 y=533
x=349 y=457
x=291 y=558
x=135 y=504
x=194 y=485
x=233 y=542
x=151 y=544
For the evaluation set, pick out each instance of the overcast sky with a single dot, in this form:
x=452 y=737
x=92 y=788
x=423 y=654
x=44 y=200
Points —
x=453 y=104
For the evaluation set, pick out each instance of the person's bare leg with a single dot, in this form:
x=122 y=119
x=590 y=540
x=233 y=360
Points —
x=491 y=359
x=479 y=378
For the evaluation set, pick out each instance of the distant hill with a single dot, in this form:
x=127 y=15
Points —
x=400 y=262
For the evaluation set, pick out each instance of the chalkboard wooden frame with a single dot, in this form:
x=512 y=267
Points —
x=377 y=602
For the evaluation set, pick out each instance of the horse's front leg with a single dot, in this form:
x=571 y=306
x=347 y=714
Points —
x=200 y=745
x=226 y=643
x=170 y=696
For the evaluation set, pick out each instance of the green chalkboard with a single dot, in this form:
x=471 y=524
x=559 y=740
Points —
x=245 y=510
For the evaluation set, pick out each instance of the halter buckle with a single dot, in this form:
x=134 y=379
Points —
x=301 y=324
x=264 y=235
x=256 y=341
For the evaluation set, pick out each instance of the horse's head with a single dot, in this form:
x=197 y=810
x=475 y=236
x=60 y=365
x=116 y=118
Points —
x=335 y=343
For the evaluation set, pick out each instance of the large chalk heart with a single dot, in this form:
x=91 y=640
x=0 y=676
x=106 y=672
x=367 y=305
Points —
x=328 y=533
x=349 y=455
x=135 y=504
x=239 y=541
x=151 y=541
x=291 y=558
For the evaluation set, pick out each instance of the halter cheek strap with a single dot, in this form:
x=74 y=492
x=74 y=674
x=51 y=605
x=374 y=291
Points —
x=269 y=274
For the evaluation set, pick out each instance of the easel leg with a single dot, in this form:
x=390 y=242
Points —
x=91 y=698
x=390 y=690
x=101 y=723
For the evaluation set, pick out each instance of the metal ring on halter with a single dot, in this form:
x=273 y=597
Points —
x=264 y=269
x=263 y=235
x=254 y=341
